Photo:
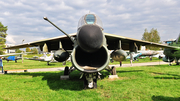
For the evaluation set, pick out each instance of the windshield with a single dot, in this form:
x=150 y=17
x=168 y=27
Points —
x=90 y=19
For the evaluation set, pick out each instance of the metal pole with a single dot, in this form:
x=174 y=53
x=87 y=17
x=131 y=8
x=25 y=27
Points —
x=22 y=51
x=45 y=18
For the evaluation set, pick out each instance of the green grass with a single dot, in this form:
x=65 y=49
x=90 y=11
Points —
x=31 y=64
x=147 y=83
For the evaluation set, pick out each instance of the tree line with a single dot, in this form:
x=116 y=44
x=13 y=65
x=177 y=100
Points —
x=33 y=50
x=152 y=36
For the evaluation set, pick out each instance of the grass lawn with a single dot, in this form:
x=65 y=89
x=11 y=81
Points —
x=31 y=64
x=147 y=83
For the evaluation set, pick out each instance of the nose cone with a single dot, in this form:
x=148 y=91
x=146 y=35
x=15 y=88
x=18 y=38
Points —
x=90 y=38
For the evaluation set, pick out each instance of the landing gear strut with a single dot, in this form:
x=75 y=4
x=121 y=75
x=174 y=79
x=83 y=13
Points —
x=112 y=70
x=90 y=80
x=68 y=70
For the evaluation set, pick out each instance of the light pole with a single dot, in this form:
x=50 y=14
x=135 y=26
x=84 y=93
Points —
x=22 y=51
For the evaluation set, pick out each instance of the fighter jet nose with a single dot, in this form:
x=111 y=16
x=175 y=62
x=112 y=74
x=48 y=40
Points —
x=90 y=38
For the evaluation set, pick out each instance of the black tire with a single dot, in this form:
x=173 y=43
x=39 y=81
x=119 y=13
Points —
x=66 y=70
x=113 y=70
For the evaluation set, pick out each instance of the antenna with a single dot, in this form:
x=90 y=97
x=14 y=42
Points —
x=45 y=18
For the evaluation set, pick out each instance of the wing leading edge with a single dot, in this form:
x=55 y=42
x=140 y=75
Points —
x=52 y=43
x=112 y=40
x=125 y=41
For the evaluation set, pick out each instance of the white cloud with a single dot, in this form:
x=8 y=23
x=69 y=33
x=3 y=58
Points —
x=122 y=17
x=10 y=39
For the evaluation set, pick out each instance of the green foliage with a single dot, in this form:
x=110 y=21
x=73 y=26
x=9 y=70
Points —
x=18 y=51
x=176 y=53
x=152 y=36
x=3 y=35
x=28 y=49
x=34 y=50
x=1 y=47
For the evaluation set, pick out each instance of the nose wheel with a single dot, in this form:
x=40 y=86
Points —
x=90 y=80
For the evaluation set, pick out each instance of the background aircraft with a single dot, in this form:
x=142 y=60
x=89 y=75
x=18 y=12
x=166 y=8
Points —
x=13 y=57
x=135 y=56
x=90 y=48
x=44 y=58
x=172 y=54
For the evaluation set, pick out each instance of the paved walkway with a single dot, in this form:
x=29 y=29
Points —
x=141 y=64
x=62 y=68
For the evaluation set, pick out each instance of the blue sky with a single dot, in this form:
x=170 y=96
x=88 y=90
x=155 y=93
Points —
x=128 y=18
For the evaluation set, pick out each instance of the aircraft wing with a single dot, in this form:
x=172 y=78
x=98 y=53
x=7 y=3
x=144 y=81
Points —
x=53 y=43
x=35 y=59
x=125 y=41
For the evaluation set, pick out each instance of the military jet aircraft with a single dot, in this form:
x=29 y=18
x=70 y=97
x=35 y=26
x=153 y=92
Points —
x=172 y=54
x=90 y=48
x=45 y=58
x=13 y=56
x=134 y=56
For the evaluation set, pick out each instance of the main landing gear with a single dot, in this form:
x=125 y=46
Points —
x=68 y=70
x=112 y=70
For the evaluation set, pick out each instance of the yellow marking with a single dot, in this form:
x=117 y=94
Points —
x=90 y=68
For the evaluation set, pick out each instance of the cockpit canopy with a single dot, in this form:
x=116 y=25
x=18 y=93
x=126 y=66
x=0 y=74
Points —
x=90 y=19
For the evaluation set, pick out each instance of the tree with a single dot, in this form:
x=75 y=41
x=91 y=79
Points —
x=152 y=36
x=3 y=35
x=28 y=49
x=34 y=50
x=18 y=51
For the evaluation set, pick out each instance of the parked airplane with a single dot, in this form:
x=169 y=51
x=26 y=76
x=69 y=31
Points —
x=148 y=53
x=44 y=58
x=135 y=56
x=13 y=56
x=159 y=55
x=141 y=54
x=90 y=46
x=172 y=54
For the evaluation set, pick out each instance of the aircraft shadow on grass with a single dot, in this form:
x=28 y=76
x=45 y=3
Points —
x=54 y=82
x=171 y=76
x=164 y=98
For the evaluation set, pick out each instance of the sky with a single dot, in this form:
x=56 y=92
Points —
x=128 y=18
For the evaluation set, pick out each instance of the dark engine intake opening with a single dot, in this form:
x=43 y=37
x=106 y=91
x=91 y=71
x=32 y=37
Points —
x=95 y=59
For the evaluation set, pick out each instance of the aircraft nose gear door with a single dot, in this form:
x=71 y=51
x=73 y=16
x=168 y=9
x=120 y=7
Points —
x=90 y=80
